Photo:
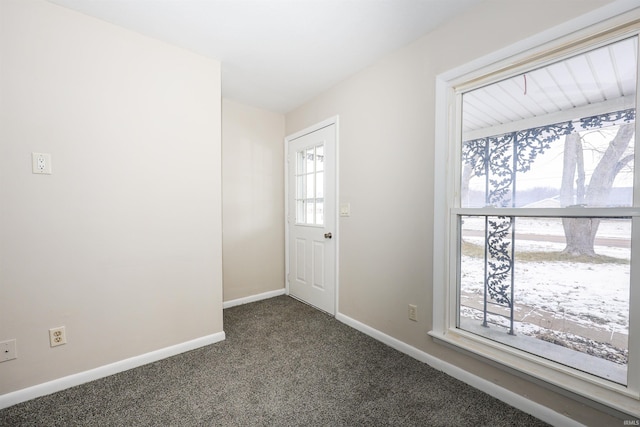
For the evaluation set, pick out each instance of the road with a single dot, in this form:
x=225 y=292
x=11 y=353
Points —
x=600 y=241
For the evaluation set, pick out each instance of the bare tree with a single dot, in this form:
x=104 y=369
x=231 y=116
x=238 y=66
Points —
x=580 y=233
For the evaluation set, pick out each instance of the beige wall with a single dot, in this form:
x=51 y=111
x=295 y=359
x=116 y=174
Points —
x=252 y=200
x=122 y=244
x=386 y=173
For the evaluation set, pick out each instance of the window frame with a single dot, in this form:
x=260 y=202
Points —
x=590 y=31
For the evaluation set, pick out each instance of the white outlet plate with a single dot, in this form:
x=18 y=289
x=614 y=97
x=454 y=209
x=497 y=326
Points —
x=57 y=336
x=8 y=350
x=41 y=163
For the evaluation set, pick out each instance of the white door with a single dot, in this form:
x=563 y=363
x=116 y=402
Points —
x=312 y=217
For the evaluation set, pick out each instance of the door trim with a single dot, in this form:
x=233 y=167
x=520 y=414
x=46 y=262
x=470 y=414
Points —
x=323 y=124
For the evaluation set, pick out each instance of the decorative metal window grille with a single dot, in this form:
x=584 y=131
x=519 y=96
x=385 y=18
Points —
x=498 y=159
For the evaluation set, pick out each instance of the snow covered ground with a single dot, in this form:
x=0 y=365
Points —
x=582 y=306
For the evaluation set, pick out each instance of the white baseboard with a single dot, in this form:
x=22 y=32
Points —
x=253 y=298
x=517 y=401
x=43 y=389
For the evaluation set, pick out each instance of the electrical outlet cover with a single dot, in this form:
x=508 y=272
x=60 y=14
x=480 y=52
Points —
x=41 y=163
x=57 y=336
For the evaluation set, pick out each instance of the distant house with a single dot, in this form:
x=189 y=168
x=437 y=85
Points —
x=550 y=202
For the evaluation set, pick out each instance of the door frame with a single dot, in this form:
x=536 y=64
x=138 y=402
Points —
x=287 y=220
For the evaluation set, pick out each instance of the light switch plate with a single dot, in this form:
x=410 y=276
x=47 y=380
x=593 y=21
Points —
x=345 y=209
x=41 y=163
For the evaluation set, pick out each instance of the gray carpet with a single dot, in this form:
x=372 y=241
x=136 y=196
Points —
x=282 y=364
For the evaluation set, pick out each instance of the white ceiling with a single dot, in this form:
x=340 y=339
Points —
x=278 y=54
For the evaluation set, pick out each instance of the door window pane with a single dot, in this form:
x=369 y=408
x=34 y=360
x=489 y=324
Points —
x=319 y=211
x=300 y=186
x=300 y=210
x=320 y=158
x=310 y=186
x=310 y=205
x=300 y=163
x=310 y=160
x=309 y=181
x=319 y=185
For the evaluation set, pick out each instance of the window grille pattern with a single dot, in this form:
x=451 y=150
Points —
x=500 y=159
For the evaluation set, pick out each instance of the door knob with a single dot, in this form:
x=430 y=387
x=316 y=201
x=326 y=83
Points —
x=327 y=235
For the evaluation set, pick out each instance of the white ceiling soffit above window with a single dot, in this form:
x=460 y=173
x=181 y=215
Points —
x=278 y=54
x=596 y=82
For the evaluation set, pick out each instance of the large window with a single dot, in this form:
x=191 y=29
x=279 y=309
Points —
x=542 y=220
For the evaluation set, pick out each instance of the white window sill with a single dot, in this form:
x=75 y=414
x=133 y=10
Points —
x=543 y=372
